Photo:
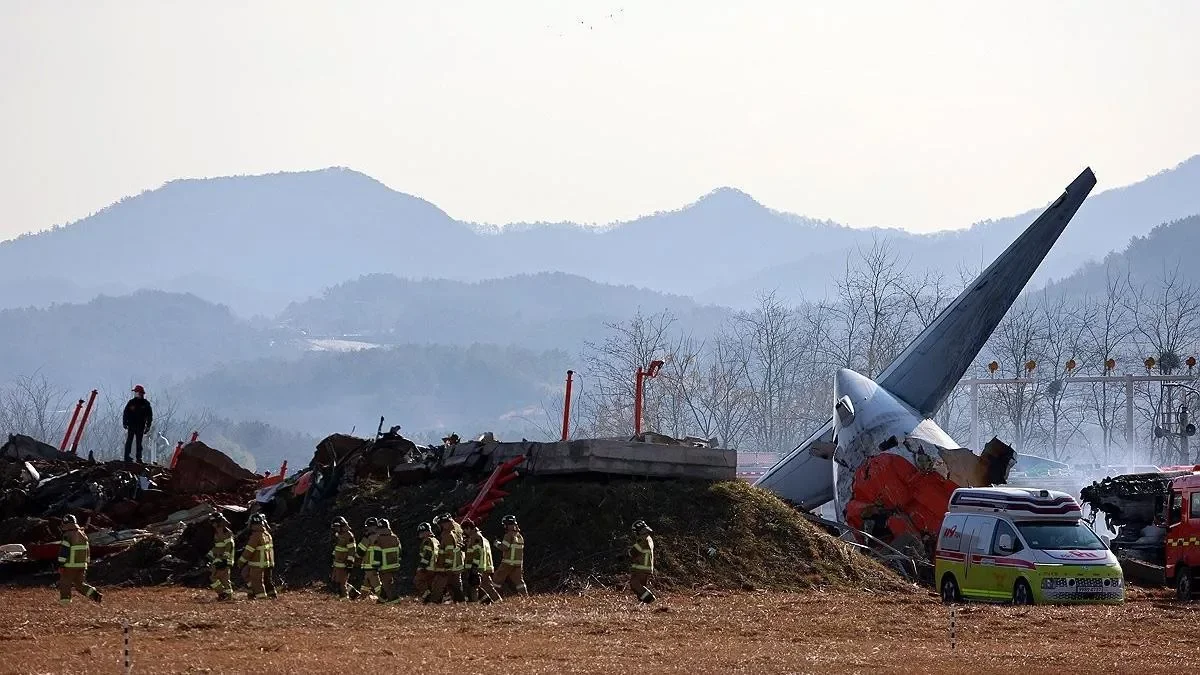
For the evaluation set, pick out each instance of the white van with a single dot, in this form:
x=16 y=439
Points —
x=1023 y=545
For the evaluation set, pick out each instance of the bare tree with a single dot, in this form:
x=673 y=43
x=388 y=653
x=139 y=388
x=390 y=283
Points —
x=610 y=367
x=33 y=406
x=1018 y=339
x=1167 y=325
x=773 y=344
x=1063 y=420
x=1107 y=327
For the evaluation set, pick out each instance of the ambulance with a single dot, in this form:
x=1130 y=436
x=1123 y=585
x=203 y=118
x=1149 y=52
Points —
x=1025 y=546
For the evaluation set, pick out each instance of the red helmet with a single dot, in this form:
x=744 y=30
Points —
x=139 y=389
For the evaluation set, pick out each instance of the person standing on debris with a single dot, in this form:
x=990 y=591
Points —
x=220 y=557
x=389 y=561
x=344 y=547
x=479 y=566
x=641 y=555
x=367 y=553
x=136 y=419
x=259 y=554
x=74 y=554
x=450 y=562
x=512 y=557
x=427 y=562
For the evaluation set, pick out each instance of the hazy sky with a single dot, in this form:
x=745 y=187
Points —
x=924 y=115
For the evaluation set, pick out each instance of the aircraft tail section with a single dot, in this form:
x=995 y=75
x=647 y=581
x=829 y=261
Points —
x=929 y=368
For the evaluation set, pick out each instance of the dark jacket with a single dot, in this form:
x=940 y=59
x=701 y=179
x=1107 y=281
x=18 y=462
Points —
x=138 y=415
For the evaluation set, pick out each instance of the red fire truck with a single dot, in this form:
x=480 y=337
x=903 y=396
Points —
x=1157 y=519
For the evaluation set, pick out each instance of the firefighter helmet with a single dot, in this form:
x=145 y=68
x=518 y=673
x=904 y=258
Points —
x=641 y=526
x=220 y=518
x=340 y=522
x=424 y=527
x=508 y=520
x=385 y=524
x=371 y=522
x=69 y=520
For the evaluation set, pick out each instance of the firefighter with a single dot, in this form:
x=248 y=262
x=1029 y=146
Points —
x=367 y=553
x=73 y=557
x=344 y=549
x=220 y=557
x=388 y=545
x=136 y=419
x=258 y=558
x=512 y=557
x=479 y=566
x=427 y=561
x=450 y=561
x=641 y=556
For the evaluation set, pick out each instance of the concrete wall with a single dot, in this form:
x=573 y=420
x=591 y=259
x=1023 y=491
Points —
x=603 y=455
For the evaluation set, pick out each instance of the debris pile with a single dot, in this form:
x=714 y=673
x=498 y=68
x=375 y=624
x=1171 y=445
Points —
x=129 y=512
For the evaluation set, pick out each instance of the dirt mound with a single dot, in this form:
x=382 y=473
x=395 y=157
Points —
x=726 y=535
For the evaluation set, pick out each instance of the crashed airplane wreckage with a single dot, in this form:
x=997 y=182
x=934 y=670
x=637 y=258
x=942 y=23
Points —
x=887 y=467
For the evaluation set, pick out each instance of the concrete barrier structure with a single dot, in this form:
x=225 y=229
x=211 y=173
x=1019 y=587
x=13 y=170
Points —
x=614 y=456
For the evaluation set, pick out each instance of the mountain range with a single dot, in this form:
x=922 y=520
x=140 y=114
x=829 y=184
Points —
x=319 y=300
x=259 y=243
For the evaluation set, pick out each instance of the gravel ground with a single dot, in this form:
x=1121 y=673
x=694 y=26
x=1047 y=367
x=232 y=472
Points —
x=184 y=630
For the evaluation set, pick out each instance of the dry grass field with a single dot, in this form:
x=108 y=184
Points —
x=177 y=630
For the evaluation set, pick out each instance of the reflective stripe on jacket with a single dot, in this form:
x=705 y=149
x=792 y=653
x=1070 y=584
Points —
x=479 y=555
x=367 y=551
x=451 y=558
x=260 y=550
x=223 y=546
x=513 y=547
x=389 y=552
x=343 y=548
x=73 y=550
x=643 y=554
x=428 y=557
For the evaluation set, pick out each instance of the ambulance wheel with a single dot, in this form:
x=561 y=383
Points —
x=1183 y=584
x=1022 y=593
x=950 y=593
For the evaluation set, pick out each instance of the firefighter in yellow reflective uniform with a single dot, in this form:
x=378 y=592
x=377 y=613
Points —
x=259 y=558
x=641 y=556
x=450 y=561
x=367 y=553
x=512 y=557
x=74 y=554
x=220 y=558
x=479 y=566
x=344 y=549
x=427 y=561
x=389 y=561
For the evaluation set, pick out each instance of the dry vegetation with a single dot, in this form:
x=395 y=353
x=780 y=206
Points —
x=183 y=630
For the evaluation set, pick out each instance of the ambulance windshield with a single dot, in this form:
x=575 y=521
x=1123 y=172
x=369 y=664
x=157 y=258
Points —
x=1060 y=535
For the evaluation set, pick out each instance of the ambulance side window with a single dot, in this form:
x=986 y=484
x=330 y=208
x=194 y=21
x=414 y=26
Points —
x=952 y=531
x=981 y=529
x=1003 y=528
x=1194 y=511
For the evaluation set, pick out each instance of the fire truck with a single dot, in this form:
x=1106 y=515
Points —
x=1157 y=520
